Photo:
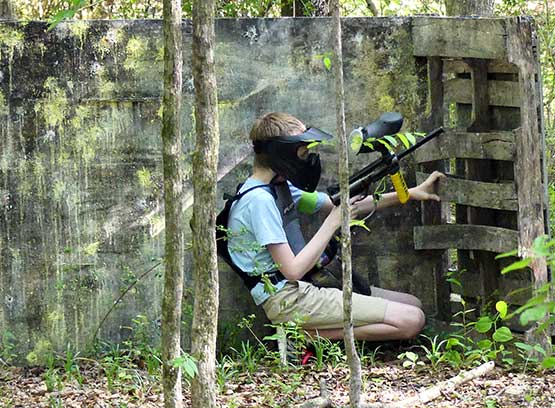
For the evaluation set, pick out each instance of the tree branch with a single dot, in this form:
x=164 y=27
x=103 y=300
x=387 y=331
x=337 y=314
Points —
x=372 y=7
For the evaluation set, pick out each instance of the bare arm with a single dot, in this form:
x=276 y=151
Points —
x=422 y=192
x=294 y=267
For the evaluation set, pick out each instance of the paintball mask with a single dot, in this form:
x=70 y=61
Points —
x=282 y=153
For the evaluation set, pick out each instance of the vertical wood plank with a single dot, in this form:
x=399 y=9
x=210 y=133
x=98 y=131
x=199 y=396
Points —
x=481 y=170
x=432 y=212
x=528 y=174
x=528 y=164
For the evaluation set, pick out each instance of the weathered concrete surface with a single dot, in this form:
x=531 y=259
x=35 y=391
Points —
x=81 y=213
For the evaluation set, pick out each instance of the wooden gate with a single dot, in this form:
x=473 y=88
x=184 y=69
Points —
x=485 y=89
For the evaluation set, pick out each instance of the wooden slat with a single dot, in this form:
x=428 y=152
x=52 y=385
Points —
x=498 y=196
x=459 y=37
x=476 y=237
x=466 y=145
x=457 y=66
x=501 y=93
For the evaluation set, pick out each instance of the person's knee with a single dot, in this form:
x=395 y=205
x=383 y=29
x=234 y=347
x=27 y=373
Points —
x=414 y=301
x=412 y=323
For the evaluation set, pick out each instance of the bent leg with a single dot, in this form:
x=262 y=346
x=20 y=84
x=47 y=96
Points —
x=401 y=321
x=394 y=296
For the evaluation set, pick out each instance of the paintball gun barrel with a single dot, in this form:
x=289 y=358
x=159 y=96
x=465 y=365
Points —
x=388 y=164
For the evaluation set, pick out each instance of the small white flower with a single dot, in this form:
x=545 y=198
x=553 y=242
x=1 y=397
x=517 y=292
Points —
x=455 y=297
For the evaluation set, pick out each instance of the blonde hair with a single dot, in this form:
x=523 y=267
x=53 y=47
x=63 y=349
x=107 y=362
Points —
x=273 y=124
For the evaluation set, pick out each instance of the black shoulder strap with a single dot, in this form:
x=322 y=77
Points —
x=222 y=220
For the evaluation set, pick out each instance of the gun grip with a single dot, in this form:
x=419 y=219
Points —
x=400 y=187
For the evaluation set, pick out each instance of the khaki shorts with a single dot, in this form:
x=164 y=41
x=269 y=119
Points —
x=321 y=308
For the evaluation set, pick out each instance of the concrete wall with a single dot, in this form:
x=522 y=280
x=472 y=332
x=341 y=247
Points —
x=81 y=212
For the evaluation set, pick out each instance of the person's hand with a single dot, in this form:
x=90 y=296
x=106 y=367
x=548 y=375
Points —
x=426 y=190
x=356 y=206
x=335 y=214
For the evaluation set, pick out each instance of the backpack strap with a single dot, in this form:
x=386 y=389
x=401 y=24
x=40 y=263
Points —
x=221 y=239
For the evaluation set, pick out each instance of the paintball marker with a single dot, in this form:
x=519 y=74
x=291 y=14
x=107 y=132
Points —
x=373 y=138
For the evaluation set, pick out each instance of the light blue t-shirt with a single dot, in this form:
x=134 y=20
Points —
x=254 y=222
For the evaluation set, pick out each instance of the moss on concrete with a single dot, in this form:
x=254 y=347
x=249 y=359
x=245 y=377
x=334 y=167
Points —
x=54 y=107
x=4 y=108
x=136 y=52
x=41 y=352
x=79 y=29
x=11 y=40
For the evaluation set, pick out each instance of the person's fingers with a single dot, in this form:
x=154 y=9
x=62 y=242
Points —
x=356 y=198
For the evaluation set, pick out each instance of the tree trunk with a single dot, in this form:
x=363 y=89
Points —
x=372 y=7
x=173 y=192
x=205 y=163
x=7 y=10
x=352 y=356
x=469 y=7
x=296 y=8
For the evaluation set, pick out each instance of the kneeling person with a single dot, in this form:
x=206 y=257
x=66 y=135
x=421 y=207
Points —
x=263 y=241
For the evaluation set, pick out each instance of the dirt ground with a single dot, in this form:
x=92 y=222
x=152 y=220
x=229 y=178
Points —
x=272 y=387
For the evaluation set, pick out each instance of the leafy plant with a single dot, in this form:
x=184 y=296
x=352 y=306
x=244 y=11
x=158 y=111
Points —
x=410 y=360
x=52 y=377
x=187 y=364
x=225 y=371
x=326 y=352
x=249 y=356
x=297 y=340
x=369 y=358
x=7 y=347
x=70 y=365
x=435 y=351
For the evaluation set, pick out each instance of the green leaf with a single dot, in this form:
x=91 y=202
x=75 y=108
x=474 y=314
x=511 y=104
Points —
x=548 y=363
x=387 y=145
x=454 y=358
x=392 y=141
x=327 y=63
x=59 y=17
x=483 y=325
x=269 y=287
x=484 y=344
x=541 y=246
x=514 y=252
x=546 y=324
x=403 y=140
x=359 y=223
x=187 y=363
x=524 y=346
x=540 y=349
x=523 y=263
x=502 y=308
x=502 y=335
x=273 y=337
x=190 y=368
x=533 y=314
x=452 y=342
x=411 y=138
x=454 y=282
x=411 y=356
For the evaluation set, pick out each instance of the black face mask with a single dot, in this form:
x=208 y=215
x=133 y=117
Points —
x=282 y=152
